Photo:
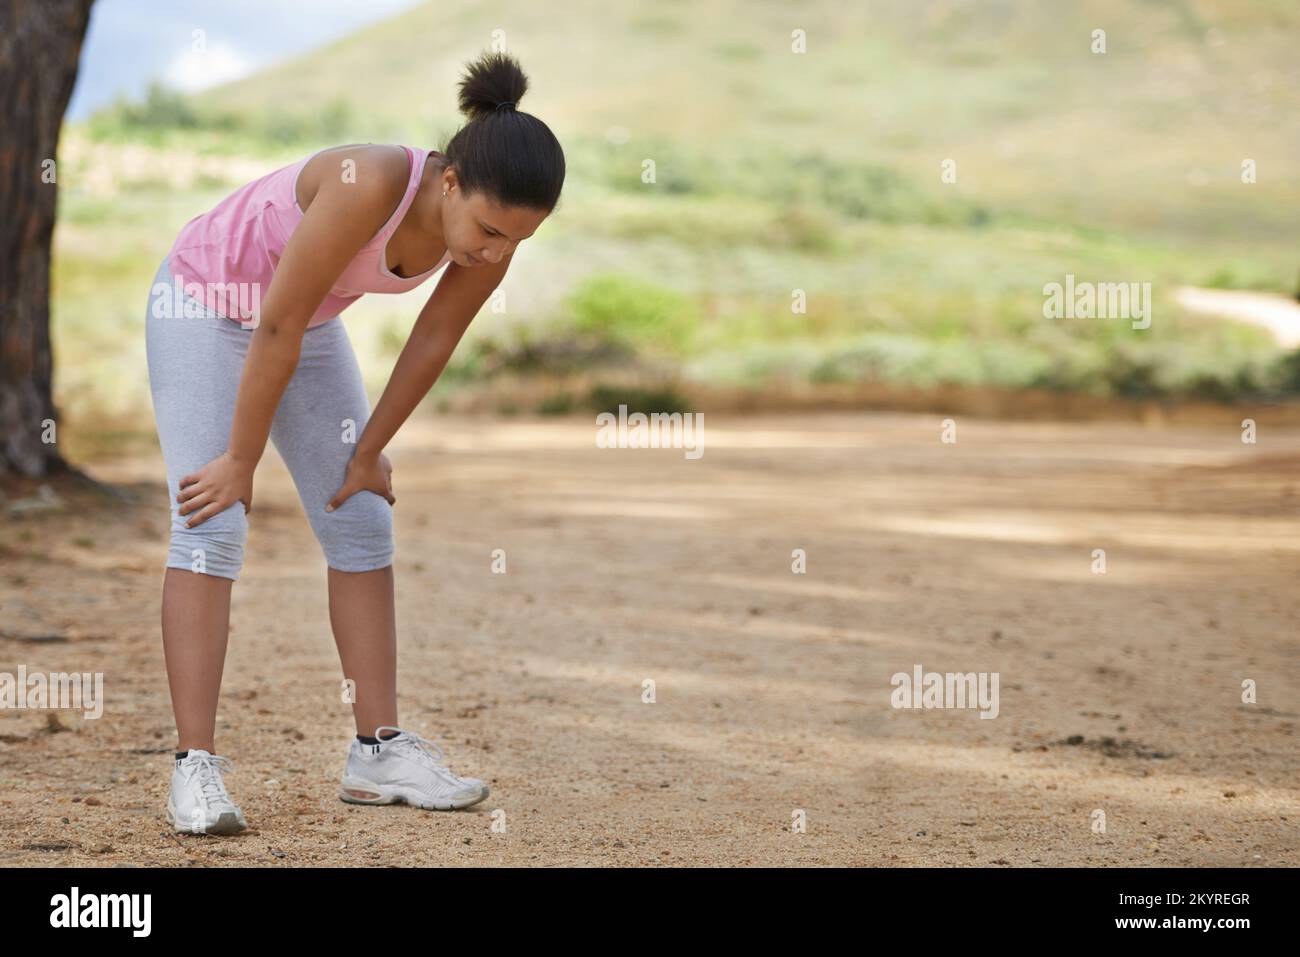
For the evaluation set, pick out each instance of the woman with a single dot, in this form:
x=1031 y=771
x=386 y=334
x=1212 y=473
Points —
x=254 y=346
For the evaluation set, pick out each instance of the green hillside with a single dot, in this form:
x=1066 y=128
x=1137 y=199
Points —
x=1009 y=88
x=778 y=171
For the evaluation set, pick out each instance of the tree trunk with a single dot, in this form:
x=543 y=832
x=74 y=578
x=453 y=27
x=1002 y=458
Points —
x=40 y=44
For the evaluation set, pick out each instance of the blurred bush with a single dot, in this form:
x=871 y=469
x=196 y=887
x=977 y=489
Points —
x=164 y=111
x=633 y=314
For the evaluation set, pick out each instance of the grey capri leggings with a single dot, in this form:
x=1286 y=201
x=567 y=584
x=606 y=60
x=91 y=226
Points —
x=195 y=362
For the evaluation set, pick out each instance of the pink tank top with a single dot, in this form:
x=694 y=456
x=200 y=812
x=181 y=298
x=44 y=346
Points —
x=225 y=258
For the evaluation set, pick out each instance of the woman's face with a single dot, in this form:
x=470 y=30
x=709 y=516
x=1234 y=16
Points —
x=479 y=231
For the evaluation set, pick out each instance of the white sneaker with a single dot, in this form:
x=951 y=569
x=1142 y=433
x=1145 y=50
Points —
x=405 y=768
x=199 y=803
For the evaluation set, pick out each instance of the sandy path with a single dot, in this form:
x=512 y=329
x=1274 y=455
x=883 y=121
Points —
x=772 y=688
x=1280 y=315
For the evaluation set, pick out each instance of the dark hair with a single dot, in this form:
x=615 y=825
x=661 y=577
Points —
x=512 y=157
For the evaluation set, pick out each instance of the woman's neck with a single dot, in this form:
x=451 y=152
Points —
x=424 y=229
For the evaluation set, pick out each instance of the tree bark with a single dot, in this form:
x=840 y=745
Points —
x=40 y=45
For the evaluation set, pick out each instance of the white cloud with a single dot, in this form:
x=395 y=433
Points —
x=195 y=70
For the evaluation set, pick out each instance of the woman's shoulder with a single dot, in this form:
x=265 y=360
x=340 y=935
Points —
x=381 y=171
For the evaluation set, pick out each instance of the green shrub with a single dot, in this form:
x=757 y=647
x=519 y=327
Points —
x=1132 y=372
x=633 y=314
x=879 y=356
x=756 y=364
x=1285 y=374
x=1223 y=278
x=561 y=403
x=525 y=350
x=644 y=399
x=162 y=108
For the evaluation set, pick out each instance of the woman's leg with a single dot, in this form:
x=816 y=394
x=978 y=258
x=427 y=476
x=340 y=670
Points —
x=194 y=368
x=362 y=615
x=195 y=626
x=322 y=414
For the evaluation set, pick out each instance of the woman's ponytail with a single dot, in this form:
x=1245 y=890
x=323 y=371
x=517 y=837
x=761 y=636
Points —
x=491 y=80
x=511 y=156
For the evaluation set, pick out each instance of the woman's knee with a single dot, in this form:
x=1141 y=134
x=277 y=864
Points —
x=215 y=547
x=358 y=535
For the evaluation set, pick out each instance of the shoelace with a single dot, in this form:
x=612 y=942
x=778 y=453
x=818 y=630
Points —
x=206 y=769
x=422 y=751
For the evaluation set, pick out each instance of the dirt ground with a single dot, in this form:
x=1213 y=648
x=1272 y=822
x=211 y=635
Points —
x=1119 y=692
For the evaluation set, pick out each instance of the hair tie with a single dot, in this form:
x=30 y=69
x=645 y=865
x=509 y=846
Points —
x=509 y=103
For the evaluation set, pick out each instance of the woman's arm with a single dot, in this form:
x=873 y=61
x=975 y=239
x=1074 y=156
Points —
x=442 y=322
x=341 y=218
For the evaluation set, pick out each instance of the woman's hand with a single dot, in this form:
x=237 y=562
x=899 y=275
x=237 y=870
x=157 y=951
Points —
x=367 y=472
x=214 y=488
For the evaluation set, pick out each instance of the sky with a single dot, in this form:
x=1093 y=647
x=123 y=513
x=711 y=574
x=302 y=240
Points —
x=130 y=42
